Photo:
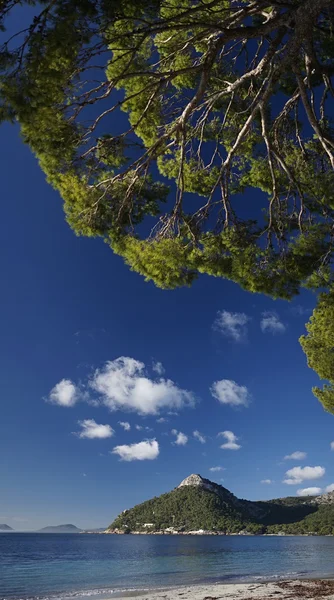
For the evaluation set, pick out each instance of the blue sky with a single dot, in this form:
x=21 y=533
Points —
x=70 y=309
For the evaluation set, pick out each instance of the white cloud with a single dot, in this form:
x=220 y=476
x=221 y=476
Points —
x=126 y=426
x=123 y=385
x=162 y=420
x=92 y=430
x=199 y=437
x=271 y=323
x=296 y=455
x=267 y=481
x=146 y=450
x=231 y=440
x=216 y=469
x=229 y=392
x=311 y=491
x=181 y=438
x=332 y=445
x=139 y=427
x=300 y=474
x=64 y=393
x=329 y=488
x=232 y=325
x=300 y=310
x=158 y=368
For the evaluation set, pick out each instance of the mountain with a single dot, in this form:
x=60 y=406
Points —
x=60 y=529
x=98 y=530
x=200 y=504
x=4 y=527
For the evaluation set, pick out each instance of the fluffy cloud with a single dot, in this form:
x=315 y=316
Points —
x=92 y=430
x=139 y=427
x=158 y=368
x=65 y=393
x=311 y=491
x=300 y=474
x=270 y=323
x=296 y=455
x=231 y=440
x=126 y=426
x=315 y=491
x=199 y=437
x=229 y=392
x=267 y=481
x=216 y=469
x=332 y=445
x=232 y=325
x=162 y=420
x=181 y=438
x=146 y=450
x=123 y=385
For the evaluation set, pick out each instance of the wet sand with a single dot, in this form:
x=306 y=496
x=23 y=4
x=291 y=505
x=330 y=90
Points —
x=281 y=590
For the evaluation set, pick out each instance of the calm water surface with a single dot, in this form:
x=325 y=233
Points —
x=62 y=566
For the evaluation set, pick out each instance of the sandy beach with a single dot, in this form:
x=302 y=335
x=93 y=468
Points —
x=282 y=590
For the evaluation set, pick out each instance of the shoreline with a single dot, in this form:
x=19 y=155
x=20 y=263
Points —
x=302 y=587
x=309 y=588
x=209 y=533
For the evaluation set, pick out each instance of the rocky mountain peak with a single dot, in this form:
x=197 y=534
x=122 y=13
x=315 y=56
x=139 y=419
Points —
x=324 y=499
x=194 y=480
x=199 y=481
x=198 y=505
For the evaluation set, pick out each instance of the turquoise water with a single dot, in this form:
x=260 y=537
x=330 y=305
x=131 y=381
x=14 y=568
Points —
x=58 y=566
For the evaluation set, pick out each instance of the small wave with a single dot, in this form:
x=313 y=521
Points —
x=71 y=595
x=275 y=577
x=63 y=595
x=108 y=593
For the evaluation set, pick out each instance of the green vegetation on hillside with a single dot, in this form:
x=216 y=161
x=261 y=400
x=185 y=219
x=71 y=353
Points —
x=190 y=508
x=321 y=522
x=186 y=509
x=284 y=510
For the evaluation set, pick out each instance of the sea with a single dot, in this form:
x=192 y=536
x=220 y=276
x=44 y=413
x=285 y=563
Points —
x=77 y=566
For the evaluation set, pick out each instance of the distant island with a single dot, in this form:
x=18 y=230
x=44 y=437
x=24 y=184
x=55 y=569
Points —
x=68 y=528
x=200 y=506
x=98 y=530
x=4 y=527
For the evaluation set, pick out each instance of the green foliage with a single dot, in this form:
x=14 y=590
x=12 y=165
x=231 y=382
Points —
x=186 y=509
x=197 y=112
x=192 y=508
x=116 y=96
x=163 y=262
x=318 y=346
x=320 y=522
x=286 y=510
